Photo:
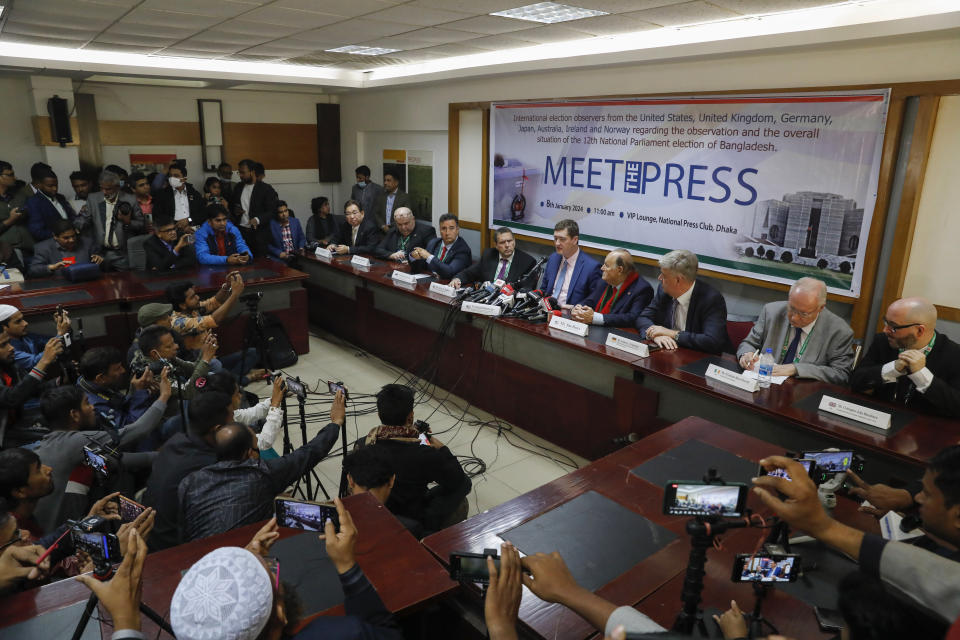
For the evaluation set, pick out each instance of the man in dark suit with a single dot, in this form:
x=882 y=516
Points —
x=365 y=191
x=685 y=312
x=64 y=249
x=46 y=207
x=504 y=262
x=619 y=297
x=254 y=204
x=167 y=253
x=359 y=235
x=286 y=236
x=179 y=200
x=910 y=362
x=570 y=274
x=114 y=216
x=390 y=200
x=407 y=235
x=447 y=255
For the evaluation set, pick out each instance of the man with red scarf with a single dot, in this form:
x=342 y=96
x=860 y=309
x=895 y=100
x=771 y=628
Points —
x=618 y=299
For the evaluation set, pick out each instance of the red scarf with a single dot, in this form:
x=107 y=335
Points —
x=611 y=295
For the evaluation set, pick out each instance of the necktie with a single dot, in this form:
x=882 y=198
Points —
x=672 y=314
x=792 y=349
x=561 y=276
x=503 y=269
x=443 y=254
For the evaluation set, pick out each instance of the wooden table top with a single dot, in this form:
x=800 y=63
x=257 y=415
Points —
x=654 y=582
x=403 y=572
x=139 y=286
x=914 y=444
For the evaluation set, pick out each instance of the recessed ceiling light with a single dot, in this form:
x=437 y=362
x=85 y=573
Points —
x=549 y=12
x=362 y=51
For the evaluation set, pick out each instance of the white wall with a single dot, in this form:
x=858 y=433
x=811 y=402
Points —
x=16 y=130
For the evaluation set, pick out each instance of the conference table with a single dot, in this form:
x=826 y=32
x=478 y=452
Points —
x=108 y=306
x=581 y=394
x=654 y=584
x=403 y=572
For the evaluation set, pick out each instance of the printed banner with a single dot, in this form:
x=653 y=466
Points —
x=773 y=187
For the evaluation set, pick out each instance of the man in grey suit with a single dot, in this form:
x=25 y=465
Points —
x=807 y=339
x=391 y=199
x=364 y=191
x=111 y=216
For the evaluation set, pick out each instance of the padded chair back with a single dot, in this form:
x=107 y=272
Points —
x=738 y=327
x=136 y=254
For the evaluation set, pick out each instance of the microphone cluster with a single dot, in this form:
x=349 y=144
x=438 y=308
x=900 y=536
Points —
x=532 y=306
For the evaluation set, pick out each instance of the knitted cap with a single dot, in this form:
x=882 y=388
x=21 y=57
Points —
x=226 y=595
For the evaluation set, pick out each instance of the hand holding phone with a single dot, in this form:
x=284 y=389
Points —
x=682 y=498
x=309 y=516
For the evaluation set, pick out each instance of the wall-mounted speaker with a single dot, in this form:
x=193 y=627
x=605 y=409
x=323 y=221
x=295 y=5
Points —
x=59 y=121
x=328 y=142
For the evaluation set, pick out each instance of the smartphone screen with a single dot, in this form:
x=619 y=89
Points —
x=129 y=509
x=782 y=473
x=95 y=460
x=333 y=387
x=766 y=568
x=295 y=387
x=699 y=499
x=308 y=516
x=470 y=567
x=831 y=461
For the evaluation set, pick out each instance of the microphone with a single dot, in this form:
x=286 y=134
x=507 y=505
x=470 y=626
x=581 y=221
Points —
x=542 y=316
x=530 y=301
x=481 y=292
x=493 y=296
x=507 y=297
x=550 y=304
x=623 y=441
x=532 y=269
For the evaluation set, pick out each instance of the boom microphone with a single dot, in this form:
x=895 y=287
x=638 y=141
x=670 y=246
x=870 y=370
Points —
x=531 y=270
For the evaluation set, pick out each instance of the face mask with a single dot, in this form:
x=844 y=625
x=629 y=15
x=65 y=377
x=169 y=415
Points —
x=174 y=182
x=361 y=184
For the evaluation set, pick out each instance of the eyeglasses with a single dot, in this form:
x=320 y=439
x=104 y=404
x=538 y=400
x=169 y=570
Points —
x=792 y=311
x=896 y=327
x=13 y=540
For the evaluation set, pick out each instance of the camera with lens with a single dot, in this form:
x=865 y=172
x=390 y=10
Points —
x=155 y=366
x=422 y=426
x=94 y=535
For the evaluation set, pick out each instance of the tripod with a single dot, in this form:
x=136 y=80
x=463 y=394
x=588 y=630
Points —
x=104 y=573
x=757 y=622
x=253 y=335
x=310 y=475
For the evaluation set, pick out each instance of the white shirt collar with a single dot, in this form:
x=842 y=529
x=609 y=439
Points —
x=684 y=300
x=807 y=329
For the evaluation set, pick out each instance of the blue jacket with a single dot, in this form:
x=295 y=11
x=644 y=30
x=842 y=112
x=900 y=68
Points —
x=28 y=350
x=585 y=275
x=628 y=306
x=457 y=259
x=205 y=243
x=275 y=247
x=706 y=325
x=42 y=215
x=117 y=408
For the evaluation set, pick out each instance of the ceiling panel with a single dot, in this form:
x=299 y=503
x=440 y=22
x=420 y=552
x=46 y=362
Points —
x=420 y=16
x=141 y=41
x=42 y=40
x=136 y=29
x=28 y=29
x=405 y=42
x=348 y=8
x=612 y=25
x=360 y=30
x=681 y=14
x=291 y=17
x=186 y=21
x=624 y=6
x=551 y=33
x=490 y=25
x=492 y=43
x=754 y=7
x=120 y=48
x=437 y=35
x=213 y=8
x=257 y=31
x=69 y=17
x=476 y=7
x=455 y=49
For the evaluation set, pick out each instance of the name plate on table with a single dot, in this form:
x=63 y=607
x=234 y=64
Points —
x=481 y=309
x=405 y=278
x=857 y=412
x=360 y=261
x=720 y=374
x=443 y=289
x=568 y=325
x=626 y=344
x=323 y=253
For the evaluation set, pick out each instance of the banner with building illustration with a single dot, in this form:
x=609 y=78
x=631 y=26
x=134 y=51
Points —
x=772 y=186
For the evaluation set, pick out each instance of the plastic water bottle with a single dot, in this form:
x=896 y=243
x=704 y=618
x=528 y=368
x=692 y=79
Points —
x=765 y=368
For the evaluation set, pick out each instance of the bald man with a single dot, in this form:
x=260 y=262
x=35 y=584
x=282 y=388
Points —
x=910 y=362
x=807 y=339
x=407 y=234
x=618 y=298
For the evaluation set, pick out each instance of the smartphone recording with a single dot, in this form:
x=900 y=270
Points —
x=471 y=567
x=766 y=568
x=308 y=516
x=95 y=460
x=701 y=499
x=831 y=461
x=130 y=510
x=807 y=463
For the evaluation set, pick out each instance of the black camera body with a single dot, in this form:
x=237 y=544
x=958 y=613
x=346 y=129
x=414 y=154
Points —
x=155 y=366
x=102 y=459
x=422 y=426
x=93 y=535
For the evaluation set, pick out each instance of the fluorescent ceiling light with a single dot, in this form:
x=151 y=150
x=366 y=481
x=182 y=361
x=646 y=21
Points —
x=362 y=51
x=549 y=12
x=162 y=82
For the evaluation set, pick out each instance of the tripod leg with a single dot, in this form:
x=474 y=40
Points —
x=85 y=618
x=342 y=490
x=157 y=618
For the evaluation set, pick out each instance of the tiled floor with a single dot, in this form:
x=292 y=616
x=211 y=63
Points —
x=516 y=461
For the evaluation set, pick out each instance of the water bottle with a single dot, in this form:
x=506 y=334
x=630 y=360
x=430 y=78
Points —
x=765 y=368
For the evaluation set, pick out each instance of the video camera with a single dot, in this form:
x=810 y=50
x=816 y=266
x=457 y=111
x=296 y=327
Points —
x=93 y=535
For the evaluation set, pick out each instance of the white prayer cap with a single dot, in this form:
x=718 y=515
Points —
x=226 y=595
x=6 y=311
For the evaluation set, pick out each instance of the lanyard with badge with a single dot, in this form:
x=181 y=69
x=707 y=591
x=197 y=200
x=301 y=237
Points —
x=786 y=345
